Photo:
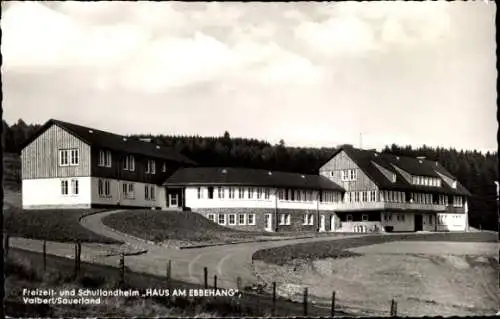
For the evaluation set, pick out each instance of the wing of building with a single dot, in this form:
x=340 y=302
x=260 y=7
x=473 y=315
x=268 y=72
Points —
x=71 y=166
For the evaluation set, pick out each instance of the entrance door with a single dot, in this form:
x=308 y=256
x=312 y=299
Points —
x=322 y=222
x=173 y=200
x=269 y=222
x=418 y=222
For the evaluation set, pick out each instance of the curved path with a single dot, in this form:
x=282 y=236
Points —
x=227 y=262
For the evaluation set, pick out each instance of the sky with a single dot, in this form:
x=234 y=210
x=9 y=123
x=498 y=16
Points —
x=312 y=74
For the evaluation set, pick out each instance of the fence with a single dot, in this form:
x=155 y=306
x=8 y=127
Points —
x=274 y=304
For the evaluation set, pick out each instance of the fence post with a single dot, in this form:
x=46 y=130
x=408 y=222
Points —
x=75 y=269
x=273 y=313
x=394 y=308
x=205 y=275
x=79 y=245
x=44 y=255
x=122 y=268
x=305 y=301
x=215 y=281
x=333 y=304
x=6 y=245
x=169 y=273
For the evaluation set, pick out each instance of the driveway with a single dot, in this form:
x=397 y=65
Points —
x=227 y=262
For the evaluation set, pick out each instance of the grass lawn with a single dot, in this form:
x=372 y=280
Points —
x=336 y=248
x=160 y=226
x=53 y=225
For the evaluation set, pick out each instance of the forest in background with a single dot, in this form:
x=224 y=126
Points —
x=475 y=170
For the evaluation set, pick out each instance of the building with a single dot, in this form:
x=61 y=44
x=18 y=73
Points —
x=252 y=199
x=396 y=193
x=70 y=166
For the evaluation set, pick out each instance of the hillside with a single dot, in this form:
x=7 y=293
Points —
x=475 y=170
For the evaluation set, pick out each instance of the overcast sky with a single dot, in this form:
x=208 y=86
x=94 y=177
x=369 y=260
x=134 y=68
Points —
x=313 y=74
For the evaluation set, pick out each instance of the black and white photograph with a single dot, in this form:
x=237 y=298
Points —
x=249 y=159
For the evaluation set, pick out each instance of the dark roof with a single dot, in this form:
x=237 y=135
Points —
x=115 y=142
x=365 y=159
x=248 y=177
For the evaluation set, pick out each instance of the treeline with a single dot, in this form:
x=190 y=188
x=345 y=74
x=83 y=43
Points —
x=475 y=170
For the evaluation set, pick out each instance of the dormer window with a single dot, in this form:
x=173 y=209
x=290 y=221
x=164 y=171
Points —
x=151 y=167
x=349 y=175
x=164 y=167
x=129 y=163
x=394 y=178
x=454 y=184
x=104 y=158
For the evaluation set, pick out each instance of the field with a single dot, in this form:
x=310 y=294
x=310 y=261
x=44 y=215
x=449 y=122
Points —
x=446 y=274
x=332 y=249
x=53 y=225
x=186 y=227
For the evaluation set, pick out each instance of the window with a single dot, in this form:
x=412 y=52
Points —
x=251 y=219
x=124 y=189
x=281 y=194
x=100 y=188
x=364 y=217
x=107 y=188
x=152 y=193
x=356 y=196
x=458 y=201
x=349 y=218
x=241 y=193
x=308 y=219
x=210 y=192
x=220 y=192
x=63 y=158
x=231 y=193
x=129 y=163
x=211 y=217
x=75 y=157
x=311 y=219
x=352 y=175
x=250 y=193
x=232 y=219
x=241 y=219
x=146 y=192
x=284 y=219
x=430 y=219
x=266 y=193
x=222 y=219
x=129 y=190
x=259 y=193
x=373 y=196
x=388 y=217
x=74 y=186
x=345 y=175
x=151 y=167
x=64 y=187
x=104 y=158
x=364 y=197
x=200 y=195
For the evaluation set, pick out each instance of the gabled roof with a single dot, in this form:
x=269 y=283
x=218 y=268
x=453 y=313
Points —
x=115 y=142
x=232 y=176
x=365 y=159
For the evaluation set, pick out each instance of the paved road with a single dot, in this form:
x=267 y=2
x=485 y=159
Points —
x=227 y=262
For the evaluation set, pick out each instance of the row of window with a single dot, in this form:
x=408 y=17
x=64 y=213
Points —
x=232 y=219
x=65 y=189
x=426 y=181
x=400 y=197
x=128 y=163
x=69 y=157
x=264 y=193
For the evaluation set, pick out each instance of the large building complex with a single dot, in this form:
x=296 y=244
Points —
x=70 y=166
